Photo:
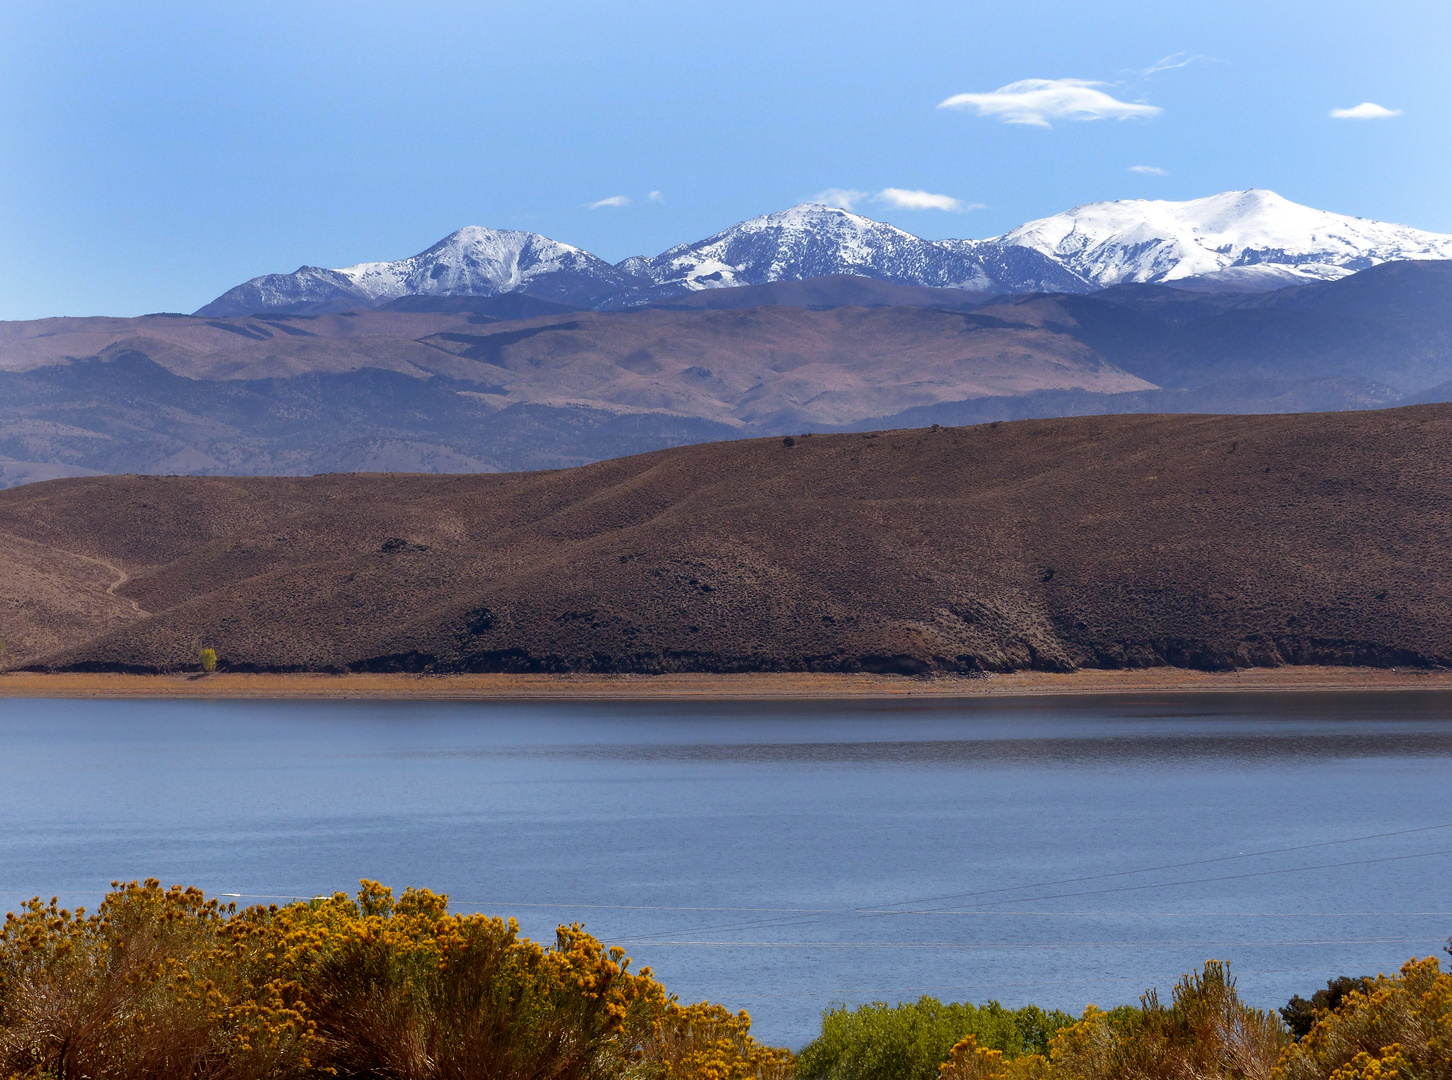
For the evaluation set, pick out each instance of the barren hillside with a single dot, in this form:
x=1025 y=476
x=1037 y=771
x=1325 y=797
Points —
x=1203 y=541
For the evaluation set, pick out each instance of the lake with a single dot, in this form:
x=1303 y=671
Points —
x=781 y=857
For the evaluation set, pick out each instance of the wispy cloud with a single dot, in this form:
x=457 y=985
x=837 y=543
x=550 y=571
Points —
x=614 y=200
x=905 y=199
x=1150 y=170
x=1037 y=101
x=1173 y=61
x=845 y=198
x=656 y=196
x=1367 y=110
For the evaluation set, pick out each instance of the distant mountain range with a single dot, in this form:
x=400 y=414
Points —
x=460 y=383
x=498 y=350
x=1243 y=240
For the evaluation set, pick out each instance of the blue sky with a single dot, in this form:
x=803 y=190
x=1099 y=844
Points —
x=154 y=154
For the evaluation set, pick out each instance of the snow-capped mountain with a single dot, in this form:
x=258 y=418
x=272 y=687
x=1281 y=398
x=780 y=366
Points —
x=812 y=240
x=307 y=289
x=471 y=262
x=1241 y=238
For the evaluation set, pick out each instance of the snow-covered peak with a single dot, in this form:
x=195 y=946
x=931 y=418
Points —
x=473 y=261
x=813 y=240
x=814 y=215
x=1236 y=235
x=807 y=240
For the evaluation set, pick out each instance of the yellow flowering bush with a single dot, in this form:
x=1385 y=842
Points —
x=707 y=1042
x=151 y=985
x=1395 y=1028
x=404 y=988
x=163 y=984
x=969 y=1061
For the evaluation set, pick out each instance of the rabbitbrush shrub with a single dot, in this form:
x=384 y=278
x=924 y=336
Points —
x=155 y=984
x=163 y=984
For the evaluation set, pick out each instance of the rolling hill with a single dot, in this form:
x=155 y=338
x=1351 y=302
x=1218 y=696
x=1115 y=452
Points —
x=1199 y=541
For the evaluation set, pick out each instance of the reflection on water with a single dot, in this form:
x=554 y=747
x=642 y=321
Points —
x=780 y=856
x=1031 y=753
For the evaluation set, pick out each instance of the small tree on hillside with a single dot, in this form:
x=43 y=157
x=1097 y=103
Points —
x=208 y=659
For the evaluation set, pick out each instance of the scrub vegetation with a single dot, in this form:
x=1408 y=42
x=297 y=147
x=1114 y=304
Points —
x=1395 y=1027
x=910 y=1041
x=168 y=984
x=165 y=984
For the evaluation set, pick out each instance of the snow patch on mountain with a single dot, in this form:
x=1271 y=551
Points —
x=1237 y=236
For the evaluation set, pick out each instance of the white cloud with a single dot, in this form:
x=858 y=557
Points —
x=656 y=196
x=840 y=197
x=1150 y=170
x=897 y=198
x=1367 y=110
x=614 y=200
x=904 y=199
x=1037 y=101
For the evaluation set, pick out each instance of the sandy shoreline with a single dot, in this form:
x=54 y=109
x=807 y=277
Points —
x=764 y=686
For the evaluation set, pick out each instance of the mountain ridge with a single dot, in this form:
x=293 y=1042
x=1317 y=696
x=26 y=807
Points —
x=1251 y=240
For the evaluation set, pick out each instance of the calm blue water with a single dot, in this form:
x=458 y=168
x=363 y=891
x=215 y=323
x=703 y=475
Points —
x=781 y=857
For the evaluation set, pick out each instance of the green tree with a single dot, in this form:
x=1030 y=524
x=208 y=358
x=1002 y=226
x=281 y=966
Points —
x=911 y=1040
x=1301 y=1015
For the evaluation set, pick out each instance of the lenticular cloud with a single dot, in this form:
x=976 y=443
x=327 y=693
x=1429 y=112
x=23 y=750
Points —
x=1367 y=110
x=905 y=199
x=1037 y=101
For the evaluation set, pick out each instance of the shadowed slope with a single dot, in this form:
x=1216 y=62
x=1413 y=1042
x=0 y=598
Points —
x=1203 y=541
